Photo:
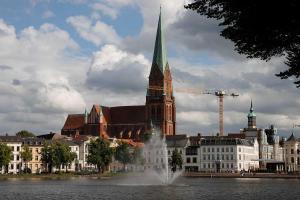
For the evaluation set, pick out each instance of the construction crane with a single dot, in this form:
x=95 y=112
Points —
x=219 y=93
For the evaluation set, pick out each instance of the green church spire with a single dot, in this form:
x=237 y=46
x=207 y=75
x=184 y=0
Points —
x=251 y=113
x=160 y=52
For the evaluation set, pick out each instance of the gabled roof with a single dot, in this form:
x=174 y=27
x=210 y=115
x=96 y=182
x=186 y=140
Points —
x=226 y=141
x=51 y=136
x=74 y=121
x=292 y=138
x=177 y=141
x=160 y=52
x=8 y=138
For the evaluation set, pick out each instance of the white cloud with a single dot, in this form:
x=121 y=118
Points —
x=47 y=77
x=105 y=10
x=96 y=32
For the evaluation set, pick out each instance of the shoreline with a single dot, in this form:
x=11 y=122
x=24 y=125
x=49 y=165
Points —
x=109 y=175
x=238 y=175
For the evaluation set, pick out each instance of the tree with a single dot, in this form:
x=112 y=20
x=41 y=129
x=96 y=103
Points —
x=137 y=156
x=25 y=134
x=259 y=29
x=5 y=155
x=176 y=160
x=123 y=154
x=100 y=154
x=145 y=137
x=26 y=156
x=57 y=154
x=48 y=156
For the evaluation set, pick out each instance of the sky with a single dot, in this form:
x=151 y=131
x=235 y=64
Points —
x=59 y=57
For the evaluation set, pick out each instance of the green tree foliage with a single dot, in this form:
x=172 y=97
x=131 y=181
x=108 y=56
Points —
x=100 y=154
x=26 y=155
x=176 y=160
x=259 y=29
x=145 y=137
x=123 y=154
x=62 y=155
x=57 y=154
x=5 y=155
x=137 y=156
x=25 y=134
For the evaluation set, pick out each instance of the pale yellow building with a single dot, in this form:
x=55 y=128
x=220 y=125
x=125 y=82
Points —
x=35 y=146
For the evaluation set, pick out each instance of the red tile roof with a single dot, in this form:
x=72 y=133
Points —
x=128 y=114
x=74 y=121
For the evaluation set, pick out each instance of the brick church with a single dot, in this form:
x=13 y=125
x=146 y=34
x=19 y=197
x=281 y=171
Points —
x=130 y=122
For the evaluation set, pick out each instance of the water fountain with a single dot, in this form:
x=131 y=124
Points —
x=156 y=169
x=157 y=160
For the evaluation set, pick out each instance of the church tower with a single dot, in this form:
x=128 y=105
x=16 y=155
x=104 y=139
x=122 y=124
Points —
x=160 y=102
x=251 y=118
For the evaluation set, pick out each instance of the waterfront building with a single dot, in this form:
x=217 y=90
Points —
x=35 y=147
x=130 y=122
x=83 y=143
x=15 y=143
x=224 y=154
x=292 y=154
x=270 y=152
x=179 y=143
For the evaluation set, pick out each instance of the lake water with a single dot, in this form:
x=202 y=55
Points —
x=120 y=188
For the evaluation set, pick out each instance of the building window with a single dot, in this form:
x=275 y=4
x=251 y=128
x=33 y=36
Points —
x=188 y=160
x=204 y=149
x=208 y=157
x=208 y=165
x=240 y=150
x=12 y=148
x=222 y=149
x=240 y=165
x=208 y=149
x=231 y=157
x=37 y=150
x=227 y=157
x=168 y=152
x=18 y=148
x=36 y=166
x=11 y=166
x=227 y=165
x=194 y=160
x=18 y=157
x=227 y=149
x=218 y=149
x=204 y=157
x=292 y=160
x=231 y=149
x=240 y=157
x=204 y=165
x=222 y=157
x=18 y=166
x=212 y=149
x=218 y=157
x=223 y=165
x=36 y=158
x=292 y=151
x=213 y=157
x=231 y=165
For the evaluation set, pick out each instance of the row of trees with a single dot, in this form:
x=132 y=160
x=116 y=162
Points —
x=100 y=154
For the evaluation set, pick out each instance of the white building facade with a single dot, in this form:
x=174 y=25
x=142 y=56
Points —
x=15 y=164
x=221 y=154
